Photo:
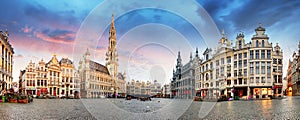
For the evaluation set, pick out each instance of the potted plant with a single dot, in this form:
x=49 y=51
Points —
x=12 y=98
x=22 y=99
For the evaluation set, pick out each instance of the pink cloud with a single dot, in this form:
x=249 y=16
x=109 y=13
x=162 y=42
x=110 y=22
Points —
x=27 y=29
x=62 y=39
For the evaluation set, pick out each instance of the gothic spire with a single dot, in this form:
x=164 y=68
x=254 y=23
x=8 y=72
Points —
x=112 y=34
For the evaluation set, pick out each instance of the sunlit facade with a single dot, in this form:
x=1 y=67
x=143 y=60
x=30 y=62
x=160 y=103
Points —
x=95 y=79
x=245 y=70
x=54 y=78
x=6 y=61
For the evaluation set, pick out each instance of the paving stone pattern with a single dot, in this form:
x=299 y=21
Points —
x=158 y=109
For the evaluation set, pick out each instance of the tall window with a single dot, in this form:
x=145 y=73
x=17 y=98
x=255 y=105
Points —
x=262 y=54
x=235 y=73
x=268 y=54
x=257 y=67
x=38 y=82
x=240 y=56
x=245 y=55
x=245 y=72
x=279 y=61
x=263 y=43
x=268 y=68
x=274 y=61
x=217 y=73
x=228 y=71
x=235 y=56
x=240 y=63
x=257 y=43
x=245 y=63
x=251 y=80
x=256 y=54
x=228 y=82
x=222 y=71
x=279 y=79
x=262 y=67
x=251 y=68
x=211 y=65
x=222 y=61
x=251 y=54
x=235 y=64
x=217 y=63
x=228 y=59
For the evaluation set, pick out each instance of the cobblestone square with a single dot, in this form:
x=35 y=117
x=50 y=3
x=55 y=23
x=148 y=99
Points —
x=160 y=109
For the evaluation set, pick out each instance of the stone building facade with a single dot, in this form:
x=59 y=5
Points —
x=141 y=88
x=294 y=74
x=183 y=80
x=137 y=88
x=95 y=79
x=6 y=61
x=247 y=69
x=55 y=78
x=289 y=79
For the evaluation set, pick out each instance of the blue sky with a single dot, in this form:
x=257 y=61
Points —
x=148 y=38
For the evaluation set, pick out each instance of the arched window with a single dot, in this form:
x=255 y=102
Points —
x=256 y=43
x=206 y=76
x=263 y=43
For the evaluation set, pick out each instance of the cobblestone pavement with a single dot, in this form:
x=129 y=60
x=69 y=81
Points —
x=45 y=109
x=158 y=109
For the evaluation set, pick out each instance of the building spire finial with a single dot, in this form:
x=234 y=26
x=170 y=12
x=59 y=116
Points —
x=223 y=33
x=196 y=51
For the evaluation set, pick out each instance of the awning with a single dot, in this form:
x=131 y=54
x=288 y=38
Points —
x=277 y=86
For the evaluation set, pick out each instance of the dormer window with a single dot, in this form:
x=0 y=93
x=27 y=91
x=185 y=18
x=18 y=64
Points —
x=263 y=43
x=240 y=44
x=257 y=43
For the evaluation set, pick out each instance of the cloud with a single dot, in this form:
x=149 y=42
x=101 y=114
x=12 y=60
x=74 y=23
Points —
x=27 y=29
x=236 y=15
x=56 y=36
x=51 y=18
x=19 y=56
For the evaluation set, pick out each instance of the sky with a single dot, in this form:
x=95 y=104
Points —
x=149 y=33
